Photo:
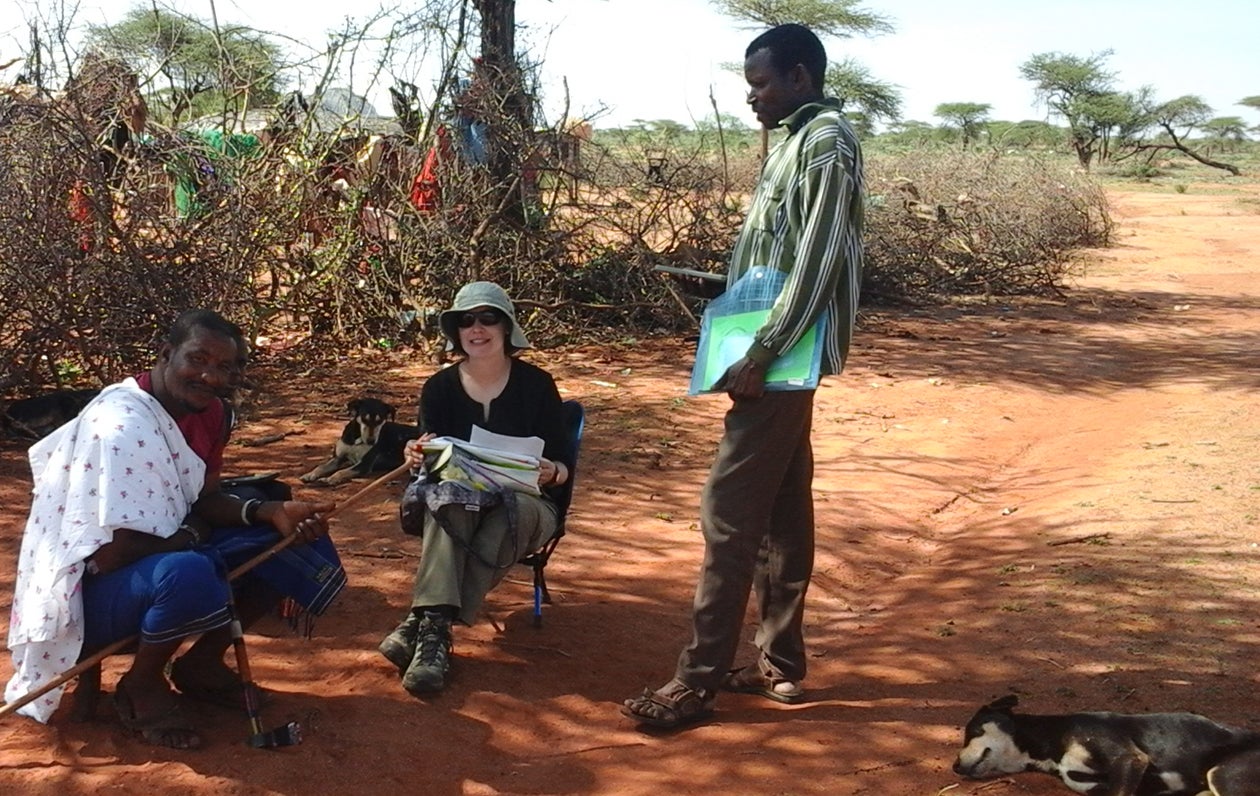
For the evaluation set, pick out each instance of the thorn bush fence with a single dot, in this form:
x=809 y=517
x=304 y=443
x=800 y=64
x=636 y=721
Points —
x=324 y=238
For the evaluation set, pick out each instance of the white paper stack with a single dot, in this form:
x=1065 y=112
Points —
x=487 y=462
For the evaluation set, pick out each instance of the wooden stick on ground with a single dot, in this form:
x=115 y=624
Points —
x=100 y=655
x=1089 y=537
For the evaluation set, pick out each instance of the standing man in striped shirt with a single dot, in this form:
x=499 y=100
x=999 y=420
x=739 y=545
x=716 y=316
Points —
x=757 y=508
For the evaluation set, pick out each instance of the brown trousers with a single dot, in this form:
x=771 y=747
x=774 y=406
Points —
x=757 y=516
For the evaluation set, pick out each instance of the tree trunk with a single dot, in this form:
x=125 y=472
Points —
x=498 y=31
x=1084 y=152
x=510 y=127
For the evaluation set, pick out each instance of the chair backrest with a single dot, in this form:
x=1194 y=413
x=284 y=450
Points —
x=574 y=422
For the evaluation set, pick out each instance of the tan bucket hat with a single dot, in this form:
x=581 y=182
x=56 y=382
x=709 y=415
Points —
x=481 y=294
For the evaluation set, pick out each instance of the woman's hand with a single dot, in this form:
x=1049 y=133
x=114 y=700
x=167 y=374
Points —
x=552 y=473
x=413 y=452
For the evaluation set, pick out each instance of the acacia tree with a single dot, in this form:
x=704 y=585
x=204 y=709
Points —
x=966 y=117
x=1025 y=134
x=719 y=121
x=1071 y=87
x=1254 y=104
x=1228 y=129
x=912 y=134
x=839 y=18
x=852 y=83
x=194 y=66
x=1179 y=118
x=847 y=80
x=658 y=130
x=1115 y=117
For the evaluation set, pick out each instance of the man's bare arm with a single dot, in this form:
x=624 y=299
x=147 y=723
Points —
x=129 y=546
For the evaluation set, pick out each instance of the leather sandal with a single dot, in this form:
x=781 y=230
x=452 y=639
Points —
x=751 y=679
x=674 y=705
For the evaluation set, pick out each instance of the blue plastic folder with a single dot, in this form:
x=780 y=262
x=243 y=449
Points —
x=729 y=324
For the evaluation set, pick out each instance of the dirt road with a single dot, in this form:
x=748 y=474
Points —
x=1056 y=499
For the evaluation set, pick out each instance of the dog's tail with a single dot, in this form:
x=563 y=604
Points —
x=1234 y=770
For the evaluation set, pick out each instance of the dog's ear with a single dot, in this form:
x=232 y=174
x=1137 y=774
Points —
x=352 y=408
x=1003 y=704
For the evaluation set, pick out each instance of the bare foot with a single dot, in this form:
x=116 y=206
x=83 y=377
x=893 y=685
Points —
x=213 y=683
x=87 y=694
x=154 y=714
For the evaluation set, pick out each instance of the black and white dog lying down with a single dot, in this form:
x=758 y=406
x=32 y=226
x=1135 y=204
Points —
x=371 y=442
x=1114 y=754
x=39 y=416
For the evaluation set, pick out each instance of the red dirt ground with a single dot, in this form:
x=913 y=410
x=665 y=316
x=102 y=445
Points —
x=1057 y=499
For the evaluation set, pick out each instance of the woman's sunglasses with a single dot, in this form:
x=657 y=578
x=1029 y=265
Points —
x=485 y=317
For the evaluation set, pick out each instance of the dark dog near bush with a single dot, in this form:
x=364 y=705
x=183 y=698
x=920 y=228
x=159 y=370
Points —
x=371 y=442
x=1114 y=754
x=37 y=417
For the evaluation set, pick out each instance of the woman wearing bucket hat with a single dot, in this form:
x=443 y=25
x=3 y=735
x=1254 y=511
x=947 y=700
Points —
x=467 y=547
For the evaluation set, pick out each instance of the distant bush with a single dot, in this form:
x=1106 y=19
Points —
x=1137 y=170
x=943 y=224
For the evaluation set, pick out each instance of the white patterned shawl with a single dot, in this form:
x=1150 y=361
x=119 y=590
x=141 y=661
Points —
x=122 y=463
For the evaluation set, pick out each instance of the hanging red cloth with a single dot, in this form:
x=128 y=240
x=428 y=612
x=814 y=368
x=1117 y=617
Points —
x=426 y=188
x=79 y=208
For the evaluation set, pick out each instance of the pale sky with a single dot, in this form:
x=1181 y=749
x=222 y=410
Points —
x=661 y=59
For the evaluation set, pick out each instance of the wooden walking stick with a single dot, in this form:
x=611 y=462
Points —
x=290 y=733
x=103 y=653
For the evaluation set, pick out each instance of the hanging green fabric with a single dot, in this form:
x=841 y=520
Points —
x=205 y=162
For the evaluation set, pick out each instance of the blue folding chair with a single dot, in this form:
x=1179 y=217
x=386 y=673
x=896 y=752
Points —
x=574 y=422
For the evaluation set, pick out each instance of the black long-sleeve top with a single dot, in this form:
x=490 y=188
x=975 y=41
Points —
x=529 y=406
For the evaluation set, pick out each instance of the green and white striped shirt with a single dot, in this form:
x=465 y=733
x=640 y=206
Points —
x=806 y=220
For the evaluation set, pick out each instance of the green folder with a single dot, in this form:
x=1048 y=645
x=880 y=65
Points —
x=726 y=338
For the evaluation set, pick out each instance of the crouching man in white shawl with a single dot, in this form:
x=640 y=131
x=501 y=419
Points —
x=121 y=535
